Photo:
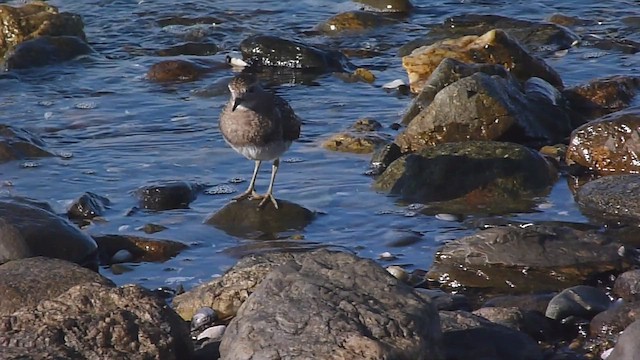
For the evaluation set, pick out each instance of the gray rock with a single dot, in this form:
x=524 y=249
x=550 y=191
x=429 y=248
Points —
x=532 y=323
x=445 y=301
x=88 y=206
x=167 y=195
x=628 y=347
x=610 y=322
x=94 y=321
x=627 y=285
x=527 y=302
x=580 y=301
x=332 y=305
x=26 y=282
x=612 y=199
x=467 y=336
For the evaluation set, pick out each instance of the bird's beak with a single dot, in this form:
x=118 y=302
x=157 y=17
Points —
x=236 y=102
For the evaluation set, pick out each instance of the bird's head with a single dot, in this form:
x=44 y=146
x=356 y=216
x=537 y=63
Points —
x=243 y=87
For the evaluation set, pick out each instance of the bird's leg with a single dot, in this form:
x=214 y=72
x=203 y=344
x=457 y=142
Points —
x=269 y=194
x=250 y=192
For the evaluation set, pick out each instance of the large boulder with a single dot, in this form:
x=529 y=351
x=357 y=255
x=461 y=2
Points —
x=611 y=199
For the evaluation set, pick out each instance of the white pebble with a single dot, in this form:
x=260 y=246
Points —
x=605 y=354
x=213 y=333
x=447 y=217
x=393 y=84
x=121 y=256
x=387 y=256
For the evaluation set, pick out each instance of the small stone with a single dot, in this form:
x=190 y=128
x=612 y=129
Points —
x=213 y=333
x=365 y=75
x=121 y=256
x=204 y=317
x=394 y=84
x=398 y=273
x=579 y=301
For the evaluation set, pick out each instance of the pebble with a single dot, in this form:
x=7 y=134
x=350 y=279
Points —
x=121 y=256
x=233 y=61
x=387 y=256
x=203 y=317
x=398 y=272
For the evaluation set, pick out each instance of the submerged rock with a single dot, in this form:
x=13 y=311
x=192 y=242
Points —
x=601 y=96
x=88 y=206
x=46 y=50
x=361 y=138
x=494 y=47
x=141 y=248
x=353 y=21
x=176 y=70
x=611 y=199
x=17 y=143
x=190 y=48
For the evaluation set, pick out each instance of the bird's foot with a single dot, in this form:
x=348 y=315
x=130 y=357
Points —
x=249 y=194
x=266 y=198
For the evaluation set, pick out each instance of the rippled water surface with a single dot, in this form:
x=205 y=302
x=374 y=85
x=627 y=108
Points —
x=116 y=131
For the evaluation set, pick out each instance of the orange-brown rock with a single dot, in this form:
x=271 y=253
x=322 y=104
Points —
x=609 y=145
x=353 y=21
x=494 y=47
x=175 y=70
x=602 y=96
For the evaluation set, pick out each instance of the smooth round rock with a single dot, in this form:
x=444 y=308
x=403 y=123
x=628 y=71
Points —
x=581 y=301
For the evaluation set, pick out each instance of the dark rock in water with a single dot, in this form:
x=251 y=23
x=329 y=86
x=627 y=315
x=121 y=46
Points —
x=167 y=195
x=16 y=143
x=478 y=174
x=18 y=24
x=527 y=302
x=142 y=249
x=383 y=157
x=190 y=48
x=26 y=282
x=579 y=301
x=244 y=219
x=467 y=336
x=532 y=323
x=94 y=321
x=611 y=199
x=333 y=305
x=88 y=206
x=628 y=346
x=610 y=322
x=533 y=258
x=176 y=70
x=402 y=6
x=627 y=285
x=445 y=301
x=27 y=230
x=353 y=21
x=46 y=50
x=484 y=107
x=535 y=36
x=263 y=50
x=608 y=145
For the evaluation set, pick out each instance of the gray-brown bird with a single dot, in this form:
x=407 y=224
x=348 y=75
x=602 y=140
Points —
x=259 y=125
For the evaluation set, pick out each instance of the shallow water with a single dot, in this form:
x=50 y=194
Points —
x=115 y=131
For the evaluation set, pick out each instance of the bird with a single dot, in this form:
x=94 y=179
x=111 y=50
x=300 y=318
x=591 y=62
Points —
x=261 y=126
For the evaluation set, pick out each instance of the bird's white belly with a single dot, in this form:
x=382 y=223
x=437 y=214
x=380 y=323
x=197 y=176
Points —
x=270 y=151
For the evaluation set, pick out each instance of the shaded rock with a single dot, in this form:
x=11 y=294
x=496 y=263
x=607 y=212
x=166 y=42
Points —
x=332 y=305
x=494 y=47
x=627 y=285
x=188 y=21
x=477 y=174
x=534 y=36
x=532 y=323
x=26 y=282
x=142 y=249
x=244 y=219
x=167 y=195
x=401 y=6
x=46 y=50
x=484 y=107
x=628 y=346
x=18 y=24
x=527 y=302
x=226 y=293
x=273 y=51
x=88 y=206
x=190 y=48
x=445 y=301
x=27 y=230
x=352 y=21
x=16 y=143
x=610 y=322
x=98 y=322
x=176 y=70
x=383 y=157
x=608 y=145
x=153 y=228
x=534 y=258
x=467 y=336
x=362 y=138
x=611 y=199
x=578 y=301
x=567 y=20
x=601 y=96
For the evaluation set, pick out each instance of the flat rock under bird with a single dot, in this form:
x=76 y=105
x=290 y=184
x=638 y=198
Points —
x=259 y=125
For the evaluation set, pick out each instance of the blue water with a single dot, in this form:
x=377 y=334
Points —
x=116 y=131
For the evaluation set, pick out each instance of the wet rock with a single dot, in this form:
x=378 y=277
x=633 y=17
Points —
x=534 y=36
x=611 y=199
x=475 y=175
x=167 y=195
x=601 y=96
x=16 y=143
x=527 y=259
x=610 y=322
x=627 y=285
x=46 y=50
x=99 y=322
x=153 y=228
x=176 y=70
x=88 y=206
x=484 y=107
x=578 y=301
x=27 y=230
x=445 y=301
x=608 y=145
x=383 y=157
x=527 y=302
x=402 y=6
x=467 y=336
x=353 y=21
x=26 y=282
x=532 y=323
x=226 y=293
x=332 y=305
x=567 y=20
x=273 y=51
x=190 y=48
x=141 y=248
x=244 y=219
x=362 y=138
x=19 y=24
x=494 y=47
x=628 y=346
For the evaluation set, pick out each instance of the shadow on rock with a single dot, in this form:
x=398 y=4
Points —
x=244 y=219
